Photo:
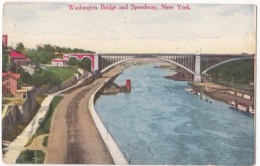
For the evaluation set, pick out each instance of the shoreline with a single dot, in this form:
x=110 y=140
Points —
x=114 y=150
x=181 y=75
x=216 y=91
x=223 y=94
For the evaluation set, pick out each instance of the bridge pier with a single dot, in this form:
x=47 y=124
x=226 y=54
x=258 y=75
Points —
x=96 y=62
x=197 y=75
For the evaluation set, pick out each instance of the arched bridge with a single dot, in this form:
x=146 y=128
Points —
x=195 y=64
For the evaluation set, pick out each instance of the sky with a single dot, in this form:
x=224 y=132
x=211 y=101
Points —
x=208 y=28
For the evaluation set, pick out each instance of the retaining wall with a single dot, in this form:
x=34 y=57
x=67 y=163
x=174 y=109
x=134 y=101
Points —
x=117 y=156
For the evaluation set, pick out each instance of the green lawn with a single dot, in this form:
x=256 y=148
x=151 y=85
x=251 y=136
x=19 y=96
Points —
x=31 y=157
x=63 y=73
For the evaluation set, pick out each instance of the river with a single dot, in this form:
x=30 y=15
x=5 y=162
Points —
x=160 y=123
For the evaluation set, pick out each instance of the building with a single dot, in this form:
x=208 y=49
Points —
x=18 y=58
x=10 y=82
x=4 y=40
x=66 y=57
x=58 y=62
x=23 y=92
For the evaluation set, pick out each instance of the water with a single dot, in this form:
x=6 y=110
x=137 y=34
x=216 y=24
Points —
x=160 y=123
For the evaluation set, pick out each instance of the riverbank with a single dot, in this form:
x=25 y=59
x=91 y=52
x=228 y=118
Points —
x=224 y=94
x=181 y=75
x=114 y=150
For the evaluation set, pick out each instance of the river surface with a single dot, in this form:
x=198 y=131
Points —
x=160 y=123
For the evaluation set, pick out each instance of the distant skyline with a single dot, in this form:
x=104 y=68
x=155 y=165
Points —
x=211 y=28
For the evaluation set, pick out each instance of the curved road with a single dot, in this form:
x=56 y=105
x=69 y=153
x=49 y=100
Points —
x=74 y=138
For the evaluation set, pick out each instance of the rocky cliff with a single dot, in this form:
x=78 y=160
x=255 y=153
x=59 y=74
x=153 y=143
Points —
x=9 y=122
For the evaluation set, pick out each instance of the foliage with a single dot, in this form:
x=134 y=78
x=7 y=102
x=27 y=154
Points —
x=47 y=53
x=73 y=62
x=62 y=73
x=26 y=78
x=20 y=47
x=45 y=141
x=31 y=156
x=46 y=124
x=86 y=64
x=41 y=56
x=13 y=101
x=240 y=72
x=4 y=61
x=45 y=78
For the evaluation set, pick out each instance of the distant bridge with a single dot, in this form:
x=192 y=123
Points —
x=195 y=64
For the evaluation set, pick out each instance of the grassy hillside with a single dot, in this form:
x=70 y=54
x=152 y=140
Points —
x=63 y=73
x=242 y=72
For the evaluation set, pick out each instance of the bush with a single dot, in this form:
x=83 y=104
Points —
x=45 y=141
x=31 y=157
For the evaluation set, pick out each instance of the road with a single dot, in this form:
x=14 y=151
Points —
x=74 y=138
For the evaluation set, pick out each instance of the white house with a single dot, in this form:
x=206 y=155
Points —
x=58 y=62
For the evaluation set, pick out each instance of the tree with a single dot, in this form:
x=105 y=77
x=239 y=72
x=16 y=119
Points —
x=4 y=62
x=86 y=64
x=48 y=48
x=26 y=78
x=20 y=47
x=59 y=49
x=73 y=62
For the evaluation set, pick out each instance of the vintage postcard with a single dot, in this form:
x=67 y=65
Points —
x=128 y=83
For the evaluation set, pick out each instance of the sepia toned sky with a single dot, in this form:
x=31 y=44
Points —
x=211 y=28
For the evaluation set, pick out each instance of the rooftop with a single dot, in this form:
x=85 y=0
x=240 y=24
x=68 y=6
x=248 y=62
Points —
x=15 y=54
x=11 y=74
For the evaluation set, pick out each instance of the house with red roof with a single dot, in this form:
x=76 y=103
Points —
x=18 y=58
x=10 y=82
x=58 y=62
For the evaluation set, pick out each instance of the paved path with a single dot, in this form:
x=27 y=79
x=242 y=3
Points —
x=74 y=138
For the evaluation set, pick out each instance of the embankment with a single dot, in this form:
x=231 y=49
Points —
x=114 y=150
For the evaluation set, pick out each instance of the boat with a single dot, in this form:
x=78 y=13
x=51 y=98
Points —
x=232 y=105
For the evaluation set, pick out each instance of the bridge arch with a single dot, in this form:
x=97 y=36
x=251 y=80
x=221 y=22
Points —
x=185 y=68
x=227 y=61
x=73 y=57
x=128 y=59
x=114 y=64
x=91 y=61
x=80 y=57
